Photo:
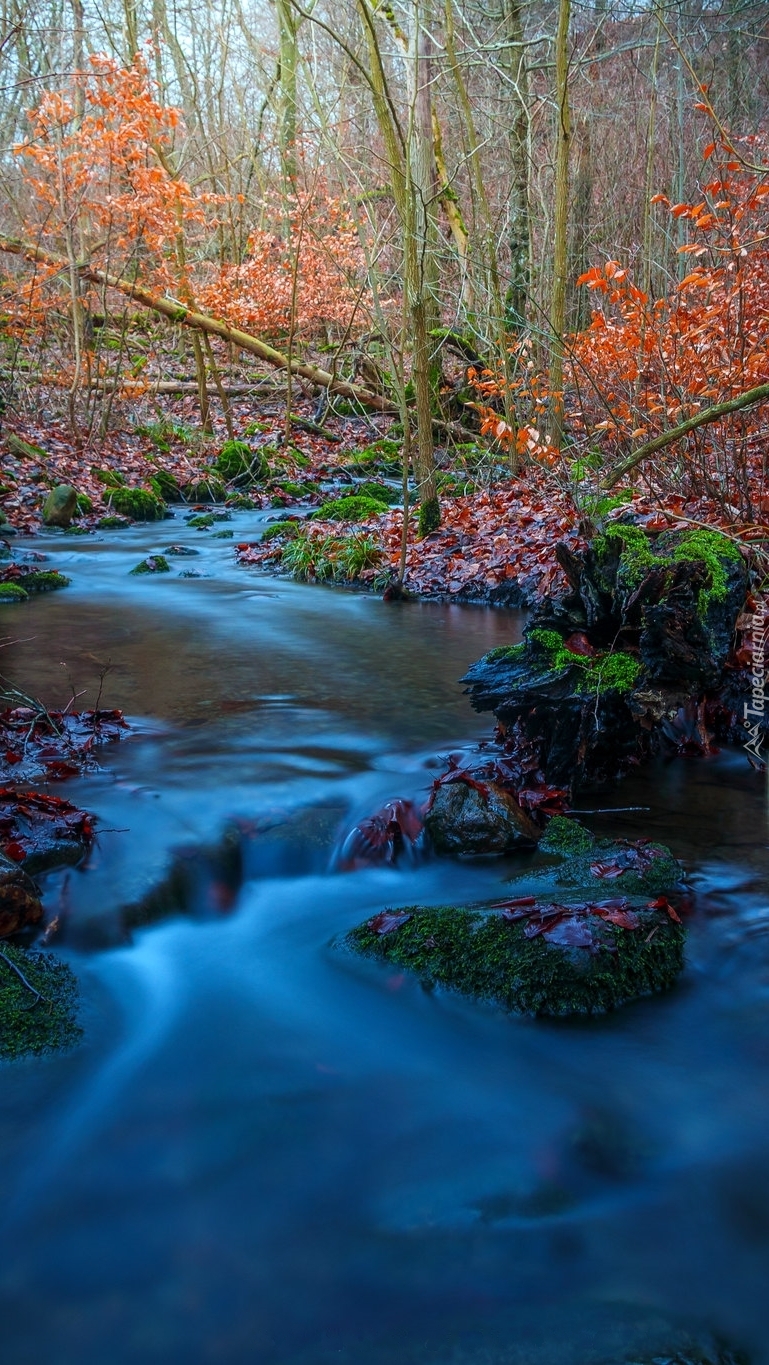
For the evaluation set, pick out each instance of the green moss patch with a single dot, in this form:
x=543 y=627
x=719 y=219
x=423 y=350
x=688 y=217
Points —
x=12 y=592
x=237 y=461
x=281 y=528
x=639 y=554
x=165 y=487
x=112 y=523
x=137 y=504
x=41 y=1015
x=152 y=564
x=582 y=964
x=600 y=672
x=109 y=477
x=349 y=509
x=39 y=580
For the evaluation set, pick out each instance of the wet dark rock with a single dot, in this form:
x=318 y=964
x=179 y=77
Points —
x=60 y=506
x=20 y=905
x=181 y=551
x=477 y=819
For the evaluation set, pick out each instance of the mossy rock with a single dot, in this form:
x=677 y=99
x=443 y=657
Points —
x=78 y=531
x=238 y=462
x=239 y=502
x=113 y=523
x=287 y=529
x=137 y=504
x=222 y=535
x=479 y=952
x=181 y=551
x=40 y=1020
x=165 y=487
x=12 y=592
x=152 y=564
x=579 y=933
x=380 y=492
x=349 y=509
x=44 y=580
x=202 y=521
x=60 y=505
x=109 y=477
x=210 y=488
x=84 y=505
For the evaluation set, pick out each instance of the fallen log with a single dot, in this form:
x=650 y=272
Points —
x=183 y=316
x=743 y=400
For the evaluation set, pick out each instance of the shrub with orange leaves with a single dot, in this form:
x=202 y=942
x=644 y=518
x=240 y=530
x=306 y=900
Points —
x=642 y=367
x=98 y=166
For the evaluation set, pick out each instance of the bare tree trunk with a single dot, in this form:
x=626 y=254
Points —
x=519 y=236
x=561 y=223
x=420 y=274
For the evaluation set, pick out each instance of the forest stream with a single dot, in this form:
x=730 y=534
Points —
x=268 y=1152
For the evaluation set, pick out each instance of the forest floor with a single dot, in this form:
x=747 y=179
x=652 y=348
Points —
x=498 y=529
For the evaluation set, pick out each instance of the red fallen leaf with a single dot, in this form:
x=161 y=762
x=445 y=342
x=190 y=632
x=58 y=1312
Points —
x=463 y=776
x=607 y=870
x=15 y=851
x=515 y=902
x=58 y=769
x=625 y=919
x=11 y=756
x=570 y=933
x=388 y=920
x=578 y=643
x=536 y=927
x=662 y=903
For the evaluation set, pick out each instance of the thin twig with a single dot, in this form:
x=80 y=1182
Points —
x=22 y=978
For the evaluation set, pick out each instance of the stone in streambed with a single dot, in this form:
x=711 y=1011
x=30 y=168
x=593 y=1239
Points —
x=152 y=564
x=38 y=1013
x=576 y=934
x=469 y=819
x=19 y=903
x=60 y=505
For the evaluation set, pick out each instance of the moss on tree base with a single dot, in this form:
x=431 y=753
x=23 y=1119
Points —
x=41 y=1015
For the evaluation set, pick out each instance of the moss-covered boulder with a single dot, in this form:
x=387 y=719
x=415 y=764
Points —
x=38 y=1003
x=566 y=940
x=60 y=506
x=208 y=488
x=468 y=817
x=152 y=564
x=19 y=581
x=137 y=504
x=113 y=523
x=11 y=593
x=238 y=463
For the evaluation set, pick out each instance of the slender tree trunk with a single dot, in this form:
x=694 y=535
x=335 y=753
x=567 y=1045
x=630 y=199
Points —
x=420 y=276
x=561 y=223
x=287 y=108
x=519 y=236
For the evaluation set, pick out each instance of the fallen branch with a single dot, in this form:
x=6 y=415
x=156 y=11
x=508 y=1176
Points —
x=176 y=312
x=743 y=400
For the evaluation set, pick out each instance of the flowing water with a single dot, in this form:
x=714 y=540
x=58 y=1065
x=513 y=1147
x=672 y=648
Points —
x=267 y=1152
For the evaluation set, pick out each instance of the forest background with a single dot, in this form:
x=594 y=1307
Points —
x=527 y=243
